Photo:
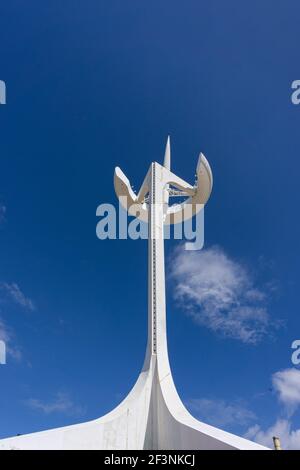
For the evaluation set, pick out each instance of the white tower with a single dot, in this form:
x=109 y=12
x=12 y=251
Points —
x=152 y=416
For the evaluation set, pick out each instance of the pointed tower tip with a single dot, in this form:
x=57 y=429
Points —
x=167 y=159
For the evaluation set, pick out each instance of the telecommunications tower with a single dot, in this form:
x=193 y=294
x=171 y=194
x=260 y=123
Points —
x=152 y=416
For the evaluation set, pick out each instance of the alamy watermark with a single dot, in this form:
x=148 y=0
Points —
x=113 y=225
x=2 y=352
x=295 y=96
x=2 y=92
x=296 y=354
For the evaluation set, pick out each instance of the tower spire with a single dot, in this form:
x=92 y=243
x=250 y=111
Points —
x=167 y=159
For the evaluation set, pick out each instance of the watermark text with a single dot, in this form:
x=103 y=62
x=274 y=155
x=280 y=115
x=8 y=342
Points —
x=115 y=224
x=2 y=352
x=296 y=354
x=2 y=92
x=295 y=97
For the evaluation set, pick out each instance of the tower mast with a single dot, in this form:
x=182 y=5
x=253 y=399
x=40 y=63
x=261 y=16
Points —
x=152 y=416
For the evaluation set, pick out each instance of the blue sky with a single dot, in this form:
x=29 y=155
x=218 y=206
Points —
x=99 y=84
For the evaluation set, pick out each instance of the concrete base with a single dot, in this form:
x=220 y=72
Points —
x=152 y=416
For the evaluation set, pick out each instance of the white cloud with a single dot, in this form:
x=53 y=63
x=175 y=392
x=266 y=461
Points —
x=290 y=439
x=62 y=403
x=220 y=293
x=220 y=413
x=287 y=384
x=15 y=294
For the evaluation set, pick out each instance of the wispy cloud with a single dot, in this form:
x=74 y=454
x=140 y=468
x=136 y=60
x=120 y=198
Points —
x=62 y=403
x=221 y=413
x=11 y=293
x=14 y=293
x=286 y=384
x=289 y=438
x=220 y=293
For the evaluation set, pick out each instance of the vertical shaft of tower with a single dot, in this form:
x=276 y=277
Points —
x=156 y=274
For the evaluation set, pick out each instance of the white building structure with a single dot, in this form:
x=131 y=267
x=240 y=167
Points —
x=152 y=416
